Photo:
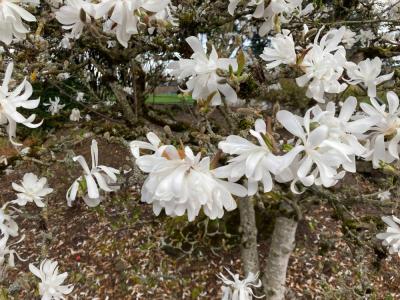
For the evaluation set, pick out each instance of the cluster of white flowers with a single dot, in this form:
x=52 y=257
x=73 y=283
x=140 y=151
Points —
x=93 y=180
x=10 y=101
x=201 y=69
x=274 y=12
x=31 y=190
x=12 y=15
x=120 y=16
x=325 y=143
x=325 y=147
x=324 y=63
x=181 y=182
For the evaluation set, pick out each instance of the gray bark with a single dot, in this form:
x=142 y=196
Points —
x=282 y=245
x=123 y=102
x=248 y=246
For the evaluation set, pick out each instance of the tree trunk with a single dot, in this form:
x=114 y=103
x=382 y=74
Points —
x=282 y=245
x=139 y=88
x=248 y=246
x=122 y=100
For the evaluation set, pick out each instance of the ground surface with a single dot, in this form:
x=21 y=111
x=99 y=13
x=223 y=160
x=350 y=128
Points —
x=120 y=250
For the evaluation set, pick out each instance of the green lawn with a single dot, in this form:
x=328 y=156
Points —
x=169 y=99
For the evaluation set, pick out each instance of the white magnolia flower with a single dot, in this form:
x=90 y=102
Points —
x=385 y=195
x=50 y=287
x=97 y=178
x=202 y=72
x=349 y=38
x=75 y=115
x=32 y=189
x=391 y=37
x=276 y=12
x=7 y=254
x=11 y=24
x=10 y=101
x=259 y=10
x=181 y=182
x=281 y=51
x=320 y=157
x=65 y=42
x=279 y=12
x=125 y=14
x=54 y=106
x=153 y=146
x=128 y=90
x=256 y=162
x=80 y=97
x=63 y=76
x=323 y=65
x=259 y=7
x=391 y=237
x=237 y=289
x=342 y=129
x=167 y=15
x=8 y=226
x=366 y=36
x=367 y=72
x=384 y=136
x=70 y=15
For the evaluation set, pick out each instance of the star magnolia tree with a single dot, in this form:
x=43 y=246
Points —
x=316 y=83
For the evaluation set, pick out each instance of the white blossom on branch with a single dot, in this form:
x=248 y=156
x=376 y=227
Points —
x=256 y=162
x=319 y=158
x=274 y=13
x=323 y=65
x=74 y=16
x=75 y=115
x=384 y=137
x=125 y=14
x=10 y=101
x=54 y=106
x=367 y=72
x=201 y=70
x=12 y=15
x=281 y=51
x=181 y=182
